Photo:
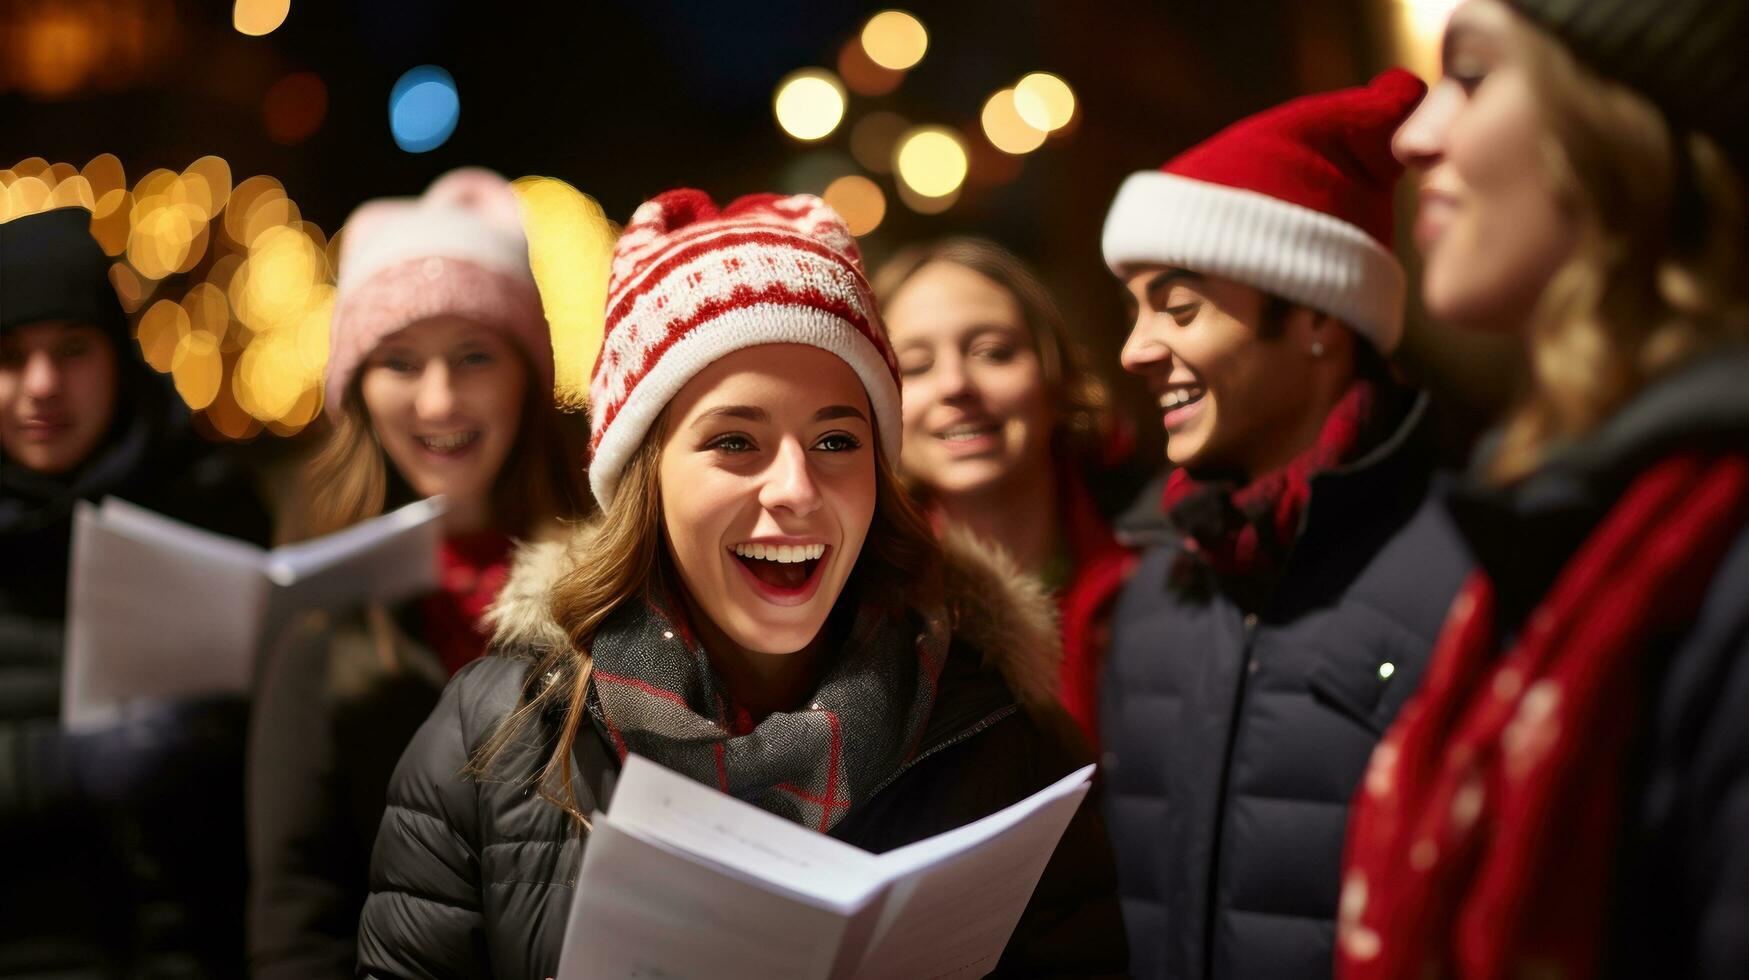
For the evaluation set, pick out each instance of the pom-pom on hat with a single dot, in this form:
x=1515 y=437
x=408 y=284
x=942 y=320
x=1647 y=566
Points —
x=691 y=283
x=457 y=250
x=1295 y=201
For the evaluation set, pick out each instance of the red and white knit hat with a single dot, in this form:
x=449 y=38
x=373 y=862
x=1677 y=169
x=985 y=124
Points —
x=1295 y=201
x=458 y=249
x=691 y=283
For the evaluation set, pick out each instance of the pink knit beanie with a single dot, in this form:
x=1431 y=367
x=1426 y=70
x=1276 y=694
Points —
x=457 y=250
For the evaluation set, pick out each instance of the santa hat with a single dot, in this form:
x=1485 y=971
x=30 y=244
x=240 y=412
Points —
x=1295 y=201
x=457 y=250
x=691 y=283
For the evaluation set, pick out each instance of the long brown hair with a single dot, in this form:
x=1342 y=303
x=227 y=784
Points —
x=1080 y=397
x=351 y=479
x=623 y=556
x=1658 y=273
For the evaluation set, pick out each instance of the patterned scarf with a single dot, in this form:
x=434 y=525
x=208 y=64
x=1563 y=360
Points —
x=1245 y=532
x=656 y=694
x=1482 y=841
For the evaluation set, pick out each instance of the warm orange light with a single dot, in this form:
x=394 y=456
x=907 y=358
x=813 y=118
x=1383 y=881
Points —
x=258 y=17
x=1004 y=127
x=931 y=161
x=859 y=201
x=895 y=39
x=1045 y=101
x=809 y=104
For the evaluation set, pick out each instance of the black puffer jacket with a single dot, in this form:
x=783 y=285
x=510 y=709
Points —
x=475 y=878
x=150 y=809
x=336 y=703
x=1234 y=741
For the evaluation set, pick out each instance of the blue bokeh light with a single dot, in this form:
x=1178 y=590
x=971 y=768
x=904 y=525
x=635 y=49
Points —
x=423 y=109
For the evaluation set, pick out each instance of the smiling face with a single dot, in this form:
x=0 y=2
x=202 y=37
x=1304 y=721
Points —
x=445 y=400
x=976 y=406
x=1235 y=392
x=767 y=476
x=1490 y=225
x=57 y=394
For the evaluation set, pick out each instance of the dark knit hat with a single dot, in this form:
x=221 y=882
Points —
x=1690 y=57
x=52 y=269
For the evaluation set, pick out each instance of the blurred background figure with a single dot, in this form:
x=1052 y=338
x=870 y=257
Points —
x=1569 y=793
x=126 y=856
x=442 y=372
x=1006 y=429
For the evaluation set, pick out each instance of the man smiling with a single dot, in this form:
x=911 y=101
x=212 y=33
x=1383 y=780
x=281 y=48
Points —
x=1264 y=645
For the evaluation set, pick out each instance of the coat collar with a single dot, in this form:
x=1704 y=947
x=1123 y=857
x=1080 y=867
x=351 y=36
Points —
x=1523 y=533
x=1002 y=615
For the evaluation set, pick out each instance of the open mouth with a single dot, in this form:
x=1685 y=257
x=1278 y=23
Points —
x=1180 y=403
x=451 y=444
x=782 y=571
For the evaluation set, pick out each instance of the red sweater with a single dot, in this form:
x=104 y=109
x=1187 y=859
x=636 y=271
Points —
x=475 y=567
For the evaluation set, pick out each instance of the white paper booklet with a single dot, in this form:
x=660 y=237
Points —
x=157 y=608
x=681 y=882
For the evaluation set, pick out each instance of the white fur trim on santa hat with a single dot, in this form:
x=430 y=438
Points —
x=1291 y=251
x=738 y=329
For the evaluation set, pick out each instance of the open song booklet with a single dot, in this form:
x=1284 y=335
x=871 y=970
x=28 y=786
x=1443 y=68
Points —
x=680 y=881
x=159 y=609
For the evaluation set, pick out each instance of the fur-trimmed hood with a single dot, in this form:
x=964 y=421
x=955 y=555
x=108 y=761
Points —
x=997 y=610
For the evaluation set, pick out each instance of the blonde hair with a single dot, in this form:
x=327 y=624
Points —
x=351 y=479
x=1658 y=272
x=1078 y=394
x=623 y=558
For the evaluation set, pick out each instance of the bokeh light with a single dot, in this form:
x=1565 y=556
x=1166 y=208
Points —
x=258 y=17
x=197 y=367
x=160 y=334
x=895 y=39
x=570 y=250
x=809 y=104
x=424 y=108
x=1006 y=129
x=1045 y=101
x=923 y=204
x=1419 y=26
x=859 y=201
x=861 y=75
x=931 y=160
x=294 y=108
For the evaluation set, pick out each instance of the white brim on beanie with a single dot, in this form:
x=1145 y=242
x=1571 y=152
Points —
x=1291 y=251
x=710 y=341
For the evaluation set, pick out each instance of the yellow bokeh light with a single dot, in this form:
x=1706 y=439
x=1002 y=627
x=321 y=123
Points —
x=105 y=174
x=160 y=334
x=30 y=167
x=570 y=250
x=312 y=332
x=1045 y=101
x=895 y=39
x=29 y=195
x=215 y=173
x=59 y=172
x=859 y=201
x=243 y=198
x=75 y=191
x=197 y=367
x=258 y=17
x=269 y=377
x=127 y=286
x=1418 y=27
x=156 y=182
x=163 y=237
x=282 y=269
x=809 y=104
x=926 y=205
x=1004 y=127
x=931 y=161
x=207 y=309
x=270 y=211
x=110 y=221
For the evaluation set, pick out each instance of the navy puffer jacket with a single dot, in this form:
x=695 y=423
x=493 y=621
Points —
x=1234 y=740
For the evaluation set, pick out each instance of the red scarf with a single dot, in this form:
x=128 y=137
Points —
x=475 y=567
x=1482 y=839
x=1245 y=532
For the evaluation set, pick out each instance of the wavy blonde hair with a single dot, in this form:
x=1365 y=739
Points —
x=1658 y=271
x=623 y=557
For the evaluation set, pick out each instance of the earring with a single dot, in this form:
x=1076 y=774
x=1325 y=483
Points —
x=1317 y=348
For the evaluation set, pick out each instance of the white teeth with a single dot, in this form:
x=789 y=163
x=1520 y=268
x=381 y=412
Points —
x=1180 y=396
x=449 y=443
x=783 y=554
x=960 y=433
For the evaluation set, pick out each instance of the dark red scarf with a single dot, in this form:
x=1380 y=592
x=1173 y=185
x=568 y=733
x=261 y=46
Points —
x=1100 y=567
x=1482 y=839
x=1245 y=532
x=474 y=568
